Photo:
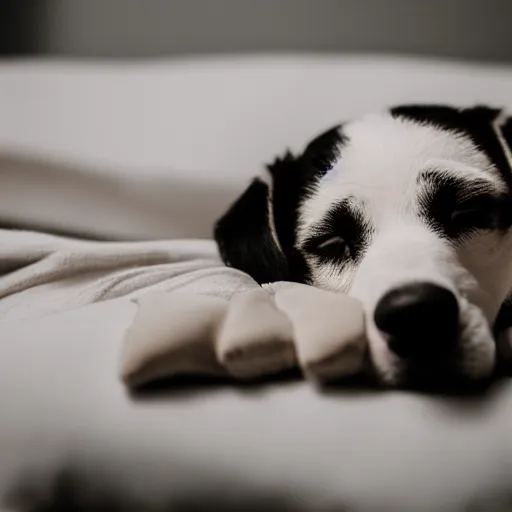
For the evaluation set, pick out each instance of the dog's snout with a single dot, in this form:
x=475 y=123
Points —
x=420 y=319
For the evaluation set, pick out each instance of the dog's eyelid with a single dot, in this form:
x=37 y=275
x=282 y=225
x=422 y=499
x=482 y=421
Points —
x=331 y=241
x=328 y=246
x=321 y=240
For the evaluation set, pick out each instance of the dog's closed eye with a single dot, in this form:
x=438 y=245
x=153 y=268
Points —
x=457 y=208
x=474 y=213
x=460 y=219
x=341 y=235
x=334 y=247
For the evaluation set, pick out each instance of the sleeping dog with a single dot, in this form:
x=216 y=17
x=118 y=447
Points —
x=410 y=211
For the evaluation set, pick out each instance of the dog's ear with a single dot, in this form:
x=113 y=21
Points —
x=246 y=237
x=492 y=133
x=483 y=125
x=257 y=234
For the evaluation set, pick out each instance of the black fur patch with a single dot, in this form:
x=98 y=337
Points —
x=243 y=233
x=345 y=220
x=476 y=123
x=456 y=209
x=292 y=177
x=504 y=317
x=323 y=151
x=245 y=240
x=292 y=181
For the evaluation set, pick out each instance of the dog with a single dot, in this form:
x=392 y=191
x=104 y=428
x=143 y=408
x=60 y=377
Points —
x=410 y=211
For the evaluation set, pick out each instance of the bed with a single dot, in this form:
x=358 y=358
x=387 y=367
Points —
x=156 y=150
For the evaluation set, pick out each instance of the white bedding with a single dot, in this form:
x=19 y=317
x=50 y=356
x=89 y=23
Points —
x=64 y=416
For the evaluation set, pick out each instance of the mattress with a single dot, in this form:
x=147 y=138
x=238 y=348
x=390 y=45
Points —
x=159 y=148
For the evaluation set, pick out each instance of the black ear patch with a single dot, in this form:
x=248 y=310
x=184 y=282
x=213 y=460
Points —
x=323 y=151
x=258 y=233
x=245 y=240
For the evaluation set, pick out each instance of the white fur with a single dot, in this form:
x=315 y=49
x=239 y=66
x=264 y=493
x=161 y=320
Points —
x=379 y=169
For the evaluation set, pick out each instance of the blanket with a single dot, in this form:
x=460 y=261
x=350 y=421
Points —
x=195 y=316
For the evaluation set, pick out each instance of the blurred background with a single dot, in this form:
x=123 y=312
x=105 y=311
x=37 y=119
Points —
x=468 y=29
x=145 y=118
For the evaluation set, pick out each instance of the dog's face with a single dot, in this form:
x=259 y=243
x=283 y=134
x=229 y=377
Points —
x=410 y=211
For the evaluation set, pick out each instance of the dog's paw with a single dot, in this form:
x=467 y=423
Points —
x=328 y=328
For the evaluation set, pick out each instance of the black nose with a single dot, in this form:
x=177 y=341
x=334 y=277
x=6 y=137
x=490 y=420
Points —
x=421 y=319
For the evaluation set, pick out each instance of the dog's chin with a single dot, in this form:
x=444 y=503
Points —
x=472 y=363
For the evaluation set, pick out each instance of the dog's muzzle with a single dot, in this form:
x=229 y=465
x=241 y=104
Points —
x=420 y=321
x=424 y=316
x=422 y=334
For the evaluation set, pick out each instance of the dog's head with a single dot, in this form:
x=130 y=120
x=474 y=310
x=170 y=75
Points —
x=410 y=211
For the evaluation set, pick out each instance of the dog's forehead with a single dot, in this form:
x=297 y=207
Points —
x=380 y=161
x=405 y=143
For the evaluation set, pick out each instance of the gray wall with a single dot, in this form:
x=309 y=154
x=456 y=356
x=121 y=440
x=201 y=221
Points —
x=468 y=29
